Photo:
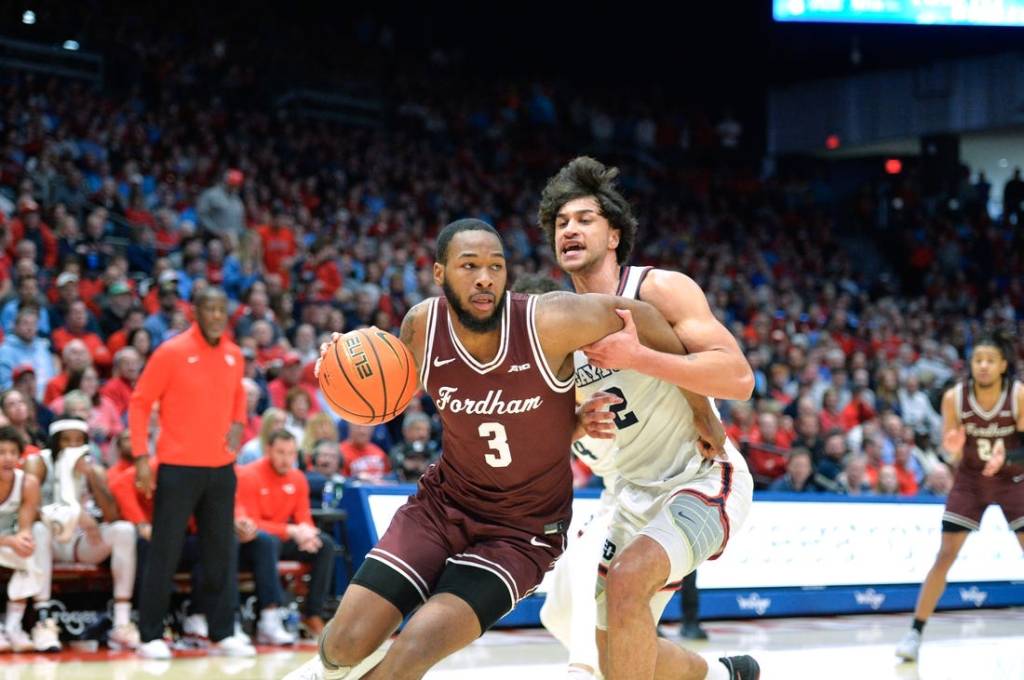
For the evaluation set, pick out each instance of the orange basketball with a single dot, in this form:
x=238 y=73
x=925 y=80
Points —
x=368 y=376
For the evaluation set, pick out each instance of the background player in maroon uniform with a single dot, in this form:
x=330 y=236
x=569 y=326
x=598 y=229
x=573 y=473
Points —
x=982 y=420
x=489 y=519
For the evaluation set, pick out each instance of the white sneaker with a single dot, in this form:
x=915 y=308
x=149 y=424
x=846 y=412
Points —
x=233 y=646
x=154 y=649
x=195 y=626
x=270 y=631
x=240 y=634
x=909 y=646
x=123 y=637
x=314 y=670
x=5 y=644
x=20 y=641
x=45 y=636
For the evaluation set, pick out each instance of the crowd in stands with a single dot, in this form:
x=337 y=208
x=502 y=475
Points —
x=120 y=212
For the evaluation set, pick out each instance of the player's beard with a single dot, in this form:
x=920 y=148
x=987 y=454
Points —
x=466 y=318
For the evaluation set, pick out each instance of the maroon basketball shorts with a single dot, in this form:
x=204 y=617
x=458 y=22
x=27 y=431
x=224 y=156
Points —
x=972 y=493
x=432 y=547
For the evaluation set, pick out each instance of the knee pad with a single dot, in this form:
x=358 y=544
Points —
x=701 y=525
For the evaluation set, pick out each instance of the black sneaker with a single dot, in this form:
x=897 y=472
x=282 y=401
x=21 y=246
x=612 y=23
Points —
x=693 y=631
x=742 y=667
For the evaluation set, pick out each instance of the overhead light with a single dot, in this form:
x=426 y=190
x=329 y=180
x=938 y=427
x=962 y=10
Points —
x=1003 y=163
x=71 y=45
x=28 y=18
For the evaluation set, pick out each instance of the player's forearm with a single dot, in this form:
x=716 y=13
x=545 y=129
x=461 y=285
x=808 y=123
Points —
x=714 y=373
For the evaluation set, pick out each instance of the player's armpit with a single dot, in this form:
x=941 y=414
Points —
x=413 y=330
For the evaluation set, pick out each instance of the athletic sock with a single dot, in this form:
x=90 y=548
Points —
x=716 y=670
x=122 y=613
x=42 y=610
x=15 y=611
x=919 y=625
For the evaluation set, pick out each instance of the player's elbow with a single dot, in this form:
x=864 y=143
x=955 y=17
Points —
x=744 y=383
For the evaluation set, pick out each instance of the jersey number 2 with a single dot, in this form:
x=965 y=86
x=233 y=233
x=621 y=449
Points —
x=497 y=439
x=622 y=420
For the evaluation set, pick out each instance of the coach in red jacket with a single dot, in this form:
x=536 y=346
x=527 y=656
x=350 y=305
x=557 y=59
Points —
x=273 y=522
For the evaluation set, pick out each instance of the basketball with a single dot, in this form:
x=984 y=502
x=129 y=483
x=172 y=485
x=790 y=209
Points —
x=368 y=376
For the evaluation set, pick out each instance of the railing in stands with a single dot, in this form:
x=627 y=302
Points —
x=343 y=108
x=21 y=55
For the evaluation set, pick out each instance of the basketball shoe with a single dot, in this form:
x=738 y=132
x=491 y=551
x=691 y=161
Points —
x=742 y=667
x=909 y=646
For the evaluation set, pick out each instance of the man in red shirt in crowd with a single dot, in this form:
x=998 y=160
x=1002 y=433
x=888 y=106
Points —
x=127 y=364
x=279 y=247
x=29 y=225
x=274 y=522
x=289 y=377
x=75 y=327
x=363 y=460
x=76 y=358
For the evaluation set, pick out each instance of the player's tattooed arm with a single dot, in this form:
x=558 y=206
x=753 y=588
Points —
x=413 y=330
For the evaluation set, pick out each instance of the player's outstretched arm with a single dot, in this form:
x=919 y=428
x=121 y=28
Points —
x=567 y=322
x=714 y=364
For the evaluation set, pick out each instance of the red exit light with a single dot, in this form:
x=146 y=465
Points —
x=893 y=166
x=832 y=142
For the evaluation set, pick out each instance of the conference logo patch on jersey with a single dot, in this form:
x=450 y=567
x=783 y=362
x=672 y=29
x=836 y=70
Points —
x=515 y=368
x=588 y=375
x=491 y=404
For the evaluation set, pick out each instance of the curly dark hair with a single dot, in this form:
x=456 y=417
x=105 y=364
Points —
x=584 y=176
x=1001 y=340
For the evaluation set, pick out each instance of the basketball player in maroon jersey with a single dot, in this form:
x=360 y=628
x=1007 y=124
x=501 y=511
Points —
x=982 y=421
x=489 y=519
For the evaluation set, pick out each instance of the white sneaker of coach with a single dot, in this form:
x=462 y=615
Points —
x=195 y=626
x=270 y=631
x=154 y=649
x=233 y=646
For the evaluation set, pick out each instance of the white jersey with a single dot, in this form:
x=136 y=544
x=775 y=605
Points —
x=655 y=442
x=12 y=505
x=599 y=456
x=49 y=491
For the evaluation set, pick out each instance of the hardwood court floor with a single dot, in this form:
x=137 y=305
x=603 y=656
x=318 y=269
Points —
x=975 y=645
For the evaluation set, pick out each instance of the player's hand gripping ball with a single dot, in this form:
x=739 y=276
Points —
x=368 y=376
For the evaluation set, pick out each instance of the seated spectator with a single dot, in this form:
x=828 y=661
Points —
x=938 y=482
x=25 y=547
x=830 y=416
x=318 y=428
x=888 y=481
x=326 y=482
x=766 y=450
x=297 y=405
x=917 y=409
x=161 y=323
x=67 y=293
x=252 y=416
x=742 y=423
x=857 y=411
x=15 y=409
x=873 y=460
x=95 y=538
x=84 y=400
x=274 y=522
x=25 y=382
x=854 y=479
x=363 y=460
x=25 y=347
x=27 y=296
x=142 y=340
x=75 y=358
x=288 y=379
x=116 y=308
x=271 y=420
x=305 y=343
x=270 y=353
x=830 y=465
x=120 y=337
x=411 y=458
x=125 y=458
x=808 y=431
x=799 y=474
x=118 y=389
x=906 y=478
x=75 y=328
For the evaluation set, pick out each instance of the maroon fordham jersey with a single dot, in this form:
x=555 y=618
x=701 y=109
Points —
x=985 y=428
x=508 y=423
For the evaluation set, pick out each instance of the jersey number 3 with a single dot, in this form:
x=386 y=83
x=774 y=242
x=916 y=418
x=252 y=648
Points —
x=497 y=439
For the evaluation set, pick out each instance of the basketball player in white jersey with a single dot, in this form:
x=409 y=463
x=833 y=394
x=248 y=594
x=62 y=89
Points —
x=25 y=548
x=73 y=489
x=674 y=508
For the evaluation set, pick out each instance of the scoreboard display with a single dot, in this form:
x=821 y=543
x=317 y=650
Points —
x=916 y=12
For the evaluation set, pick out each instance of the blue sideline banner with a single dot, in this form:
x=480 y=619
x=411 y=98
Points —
x=798 y=554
